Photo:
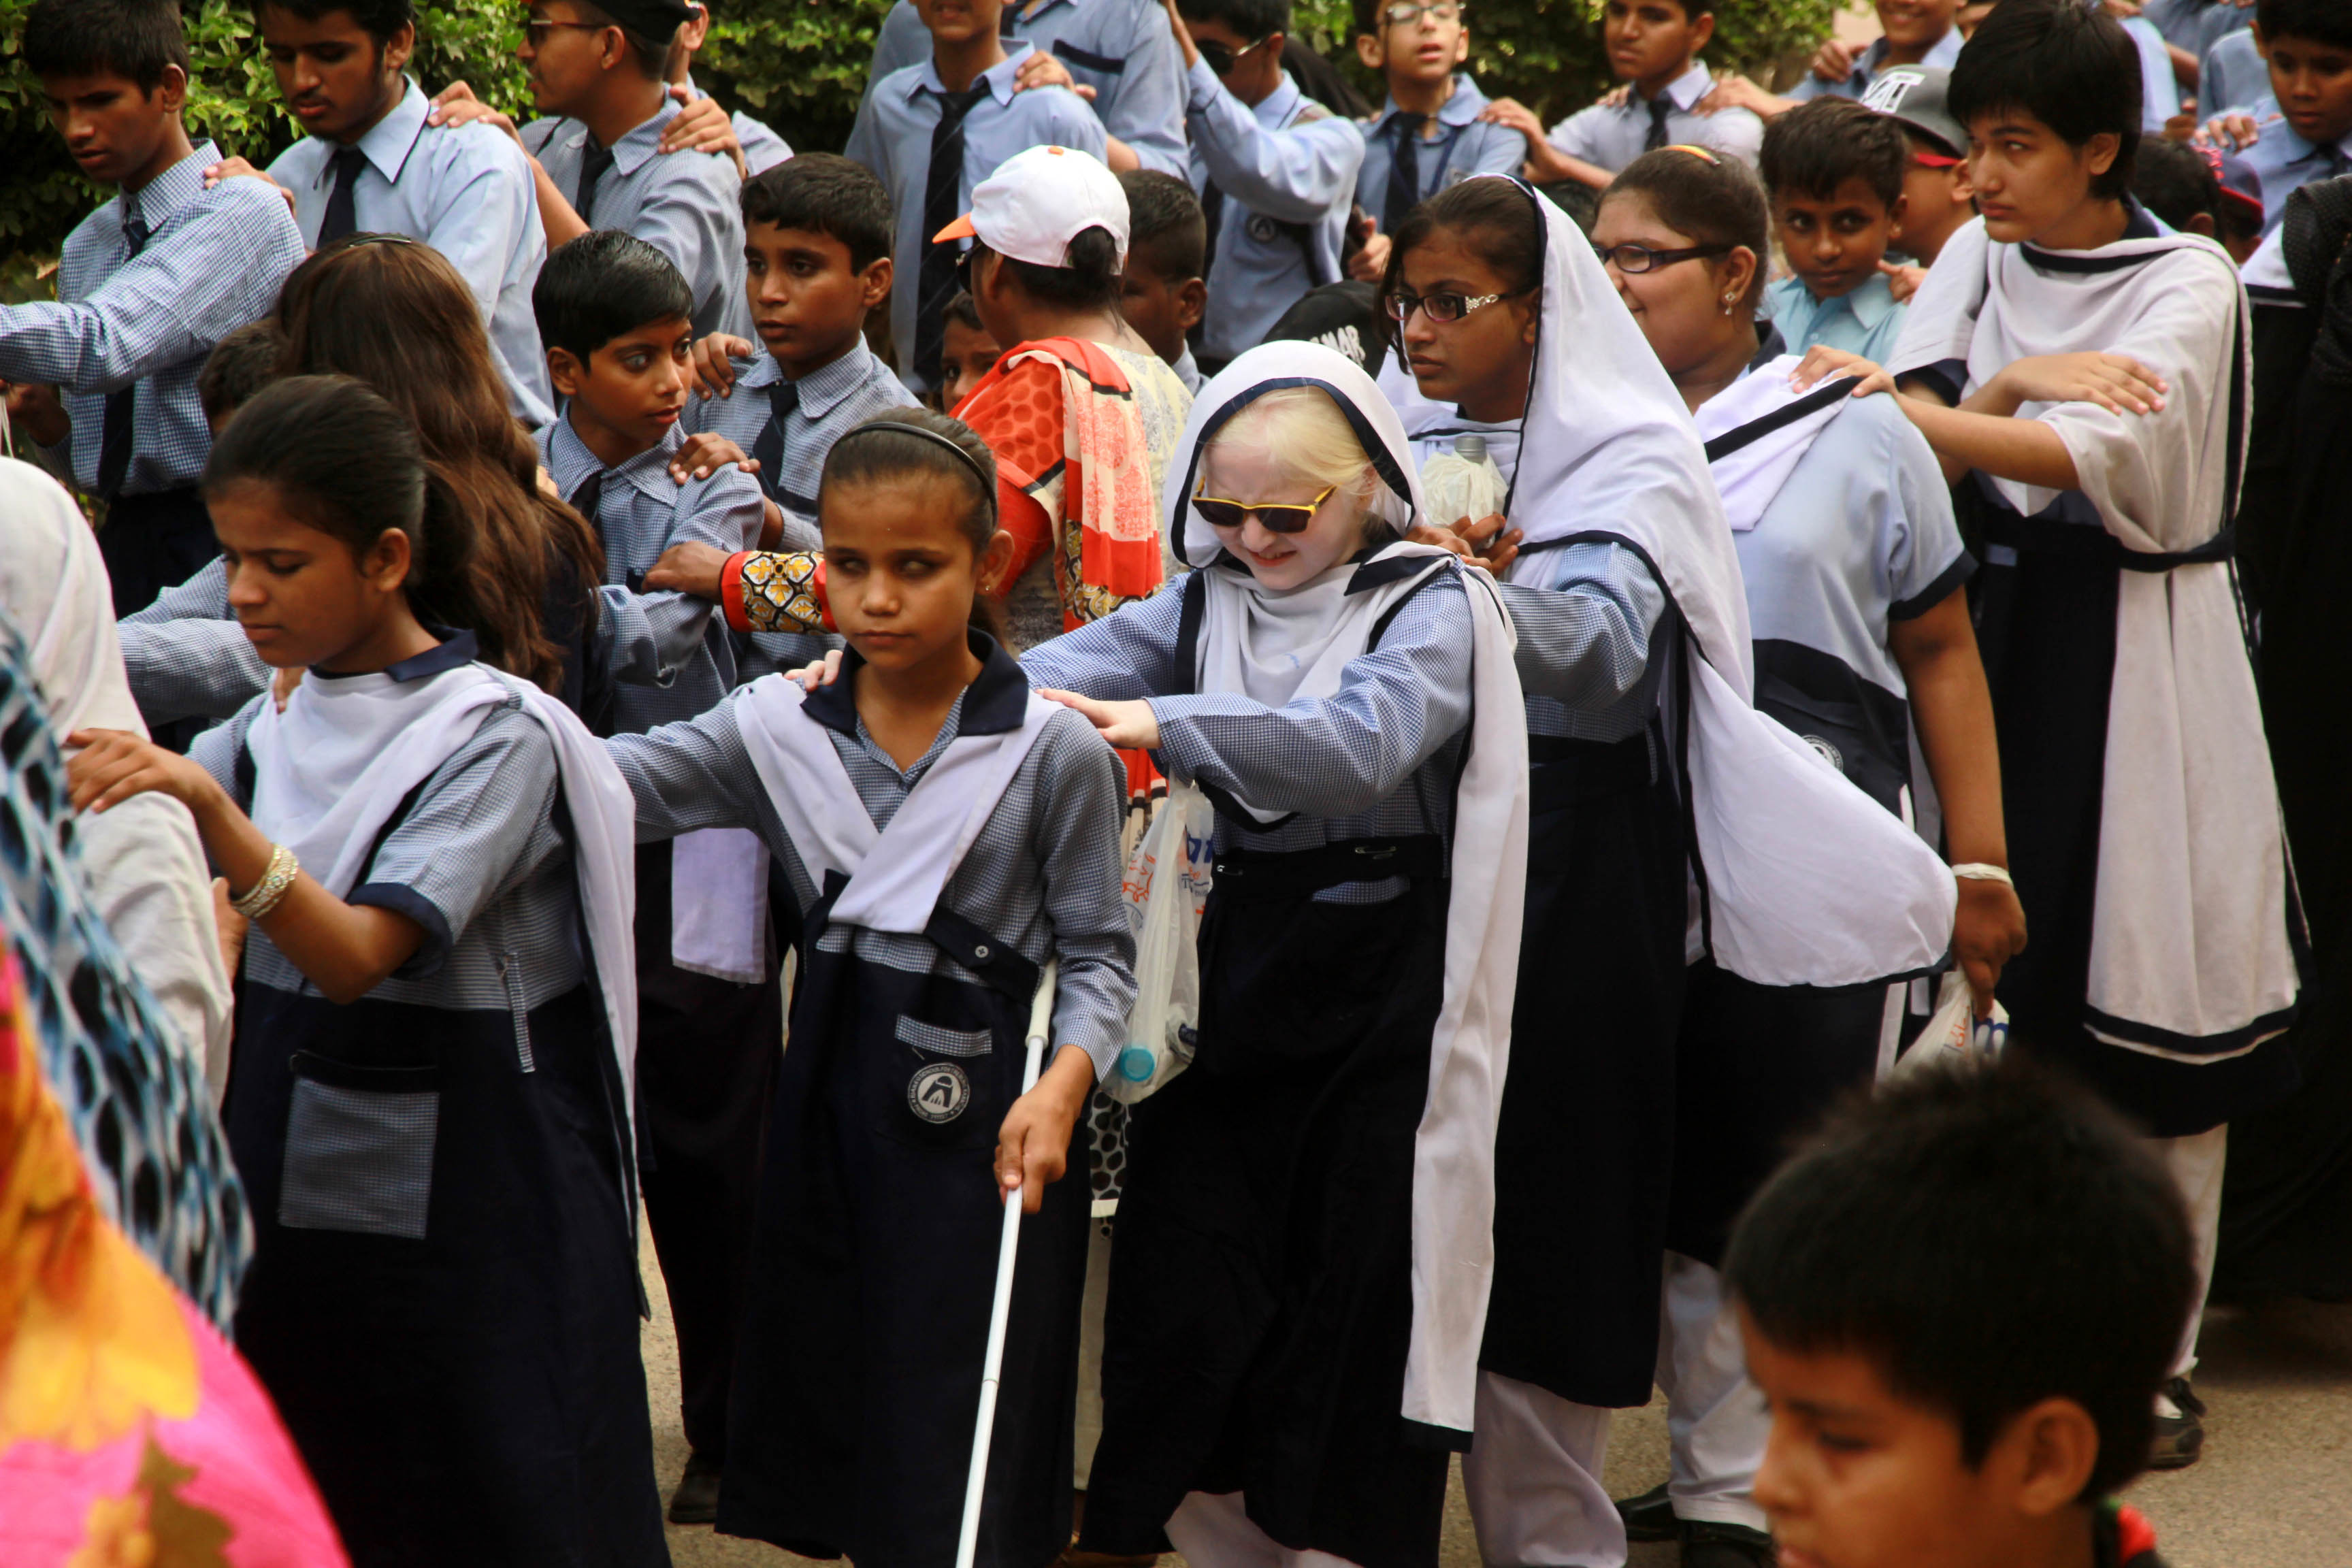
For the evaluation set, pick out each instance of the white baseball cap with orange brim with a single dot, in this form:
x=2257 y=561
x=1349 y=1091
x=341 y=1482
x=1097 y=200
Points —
x=1038 y=201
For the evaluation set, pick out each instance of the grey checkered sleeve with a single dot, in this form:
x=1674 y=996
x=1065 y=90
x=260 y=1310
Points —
x=186 y=655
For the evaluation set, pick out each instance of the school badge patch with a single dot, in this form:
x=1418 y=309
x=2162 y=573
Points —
x=938 y=1092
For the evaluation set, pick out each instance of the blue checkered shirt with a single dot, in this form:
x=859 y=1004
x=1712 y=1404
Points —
x=830 y=402
x=213 y=262
x=186 y=655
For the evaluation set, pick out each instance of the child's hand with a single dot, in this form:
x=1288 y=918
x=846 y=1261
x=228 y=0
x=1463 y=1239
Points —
x=711 y=370
x=1834 y=61
x=1616 y=97
x=456 y=105
x=1370 y=264
x=231 y=926
x=703 y=455
x=282 y=685
x=1733 y=90
x=115 y=764
x=687 y=567
x=1033 y=1146
x=1492 y=544
x=823 y=672
x=1511 y=113
x=1443 y=537
x=1987 y=932
x=1041 y=69
x=1129 y=726
x=2117 y=383
x=1902 y=281
x=701 y=126
x=38 y=409
x=2229 y=132
x=1822 y=362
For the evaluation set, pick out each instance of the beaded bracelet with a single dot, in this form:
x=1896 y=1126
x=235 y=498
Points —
x=1977 y=871
x=260 y=901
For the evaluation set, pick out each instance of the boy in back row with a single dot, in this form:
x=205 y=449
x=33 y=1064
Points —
x=1835 y=172
x=1429 y=133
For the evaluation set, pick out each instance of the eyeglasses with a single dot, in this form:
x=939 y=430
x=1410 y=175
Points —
x=1636 y=259
x=537 y=29
x=1438 y=307
x=1223 y=58
x=1274 y=517
x=1405 y=13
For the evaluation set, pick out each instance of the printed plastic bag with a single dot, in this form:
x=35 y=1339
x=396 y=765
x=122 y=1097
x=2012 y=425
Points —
x=1955 y=1036
x=1166 y=885
x=1462 y=483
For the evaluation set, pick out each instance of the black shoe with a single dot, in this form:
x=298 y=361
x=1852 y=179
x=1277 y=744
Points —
x=696 y=1502
x=1650 y=1517
x=1709 y=1544
x=2180 y=1432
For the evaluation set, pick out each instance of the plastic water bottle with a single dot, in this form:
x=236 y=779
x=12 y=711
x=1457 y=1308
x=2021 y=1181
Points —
x=1462 y=483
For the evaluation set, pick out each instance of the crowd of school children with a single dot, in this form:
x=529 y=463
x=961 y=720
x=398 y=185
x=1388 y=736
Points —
x=620 y=666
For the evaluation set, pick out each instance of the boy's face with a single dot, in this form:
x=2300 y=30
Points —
x=633 y=387
x=966 y=354
x=111 y=129
x=2313 y=82
x=1915 y=24
x=960 y=21
x=334 y=78
x=1161 y=311
x=1424 y=47
x=808 y=302
x=1651 y=42
x=2028 y=179
x=562 y=55
x=1835 y=243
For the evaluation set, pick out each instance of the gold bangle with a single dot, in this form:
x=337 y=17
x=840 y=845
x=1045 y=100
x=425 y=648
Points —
x=263 y=898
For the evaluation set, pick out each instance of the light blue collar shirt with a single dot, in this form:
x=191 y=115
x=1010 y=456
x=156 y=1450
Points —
x=1462 y=146
x=1869 y=63
x=1865 y=321
x=467 y=192
x=2285 y=161
x=1613 y=135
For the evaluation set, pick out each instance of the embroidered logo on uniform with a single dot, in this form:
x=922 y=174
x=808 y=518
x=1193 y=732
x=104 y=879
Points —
x=938 y=1092
x=1262 y=228
x=1830 y=754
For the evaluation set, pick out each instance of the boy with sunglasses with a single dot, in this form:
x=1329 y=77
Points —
x=1276 y=170
x=1428 y=134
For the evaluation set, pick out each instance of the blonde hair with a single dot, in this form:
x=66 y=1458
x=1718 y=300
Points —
x=1302 y=428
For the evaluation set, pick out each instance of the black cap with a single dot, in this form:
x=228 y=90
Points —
x=1344 y=316
x=1912 y=96
x=656 y=19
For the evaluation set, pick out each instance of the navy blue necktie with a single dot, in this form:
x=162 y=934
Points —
x=943 y=196
x=1404 y=172
x=1660 y=106
x=594 y=162
x=116 y=434
x=783 y=398
x=340 y=220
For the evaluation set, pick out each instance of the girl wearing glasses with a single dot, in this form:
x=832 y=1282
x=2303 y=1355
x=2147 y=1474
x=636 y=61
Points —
x=1854 y=571
x=1304 y=1234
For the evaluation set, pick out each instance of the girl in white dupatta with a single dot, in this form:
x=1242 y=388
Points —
x=435 y=1016
x=1304 y=1240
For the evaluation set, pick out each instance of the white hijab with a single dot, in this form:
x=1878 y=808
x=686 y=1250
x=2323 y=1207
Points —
x=1281 y=648
x=1802 y=879
x=145 y=863
x=2191 y=955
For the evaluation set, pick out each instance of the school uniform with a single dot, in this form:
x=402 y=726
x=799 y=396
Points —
x=186 y=657
x=1942 y=55
x=1124 y=49
x=1654 y=772
x=789 y=426
x=2197 y=26
x=857 y=1385
x=443 y=1301
x=465 y=190
x=146 y=285
x=688 y=205
x=2235 y=79
x=2160 y=93
x=1409 y=158
x=2143 y=816
x=909 y=119
x=708 y=996
x=1865 y=321
x=1613 y=135
x=1304 y=1229
x=1276 y=182
x=2285 y=161
x=763 y=148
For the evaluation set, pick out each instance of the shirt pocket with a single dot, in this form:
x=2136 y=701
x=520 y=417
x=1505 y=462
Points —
x=943 y=1088
x=358 y=1148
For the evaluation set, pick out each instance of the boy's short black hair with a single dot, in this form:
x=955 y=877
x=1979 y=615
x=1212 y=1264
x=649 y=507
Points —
x=1988 y=1238
x=2070 y=66
x=1818 y=146
x=650 y=50
x=825 y=192
x=601 y=285
x=962 y=311
x=135 y=39
x=2326 y=22
x=1165 y=223
x=1253 y=19
x=379 y=20
x=240 y=364
x=2176 y=185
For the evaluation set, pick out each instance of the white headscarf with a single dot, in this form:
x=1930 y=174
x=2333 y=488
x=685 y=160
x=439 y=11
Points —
x=146 y=864
x=1804 y=879
x=1454 y=1148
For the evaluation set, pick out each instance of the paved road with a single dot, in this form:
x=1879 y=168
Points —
x=2274 y=1489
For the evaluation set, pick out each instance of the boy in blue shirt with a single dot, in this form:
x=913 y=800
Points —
x=146 y=285
x=1835 y=171
x=371 y=165
x=1276 y=172
x=964 y=104
x=1428 y=134
x=2308 y=135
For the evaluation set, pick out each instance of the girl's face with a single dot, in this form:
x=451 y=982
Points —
x=1244 y=471
x=300 y=594
x=1679 y=306
x=1481 y=361
x=899 y=572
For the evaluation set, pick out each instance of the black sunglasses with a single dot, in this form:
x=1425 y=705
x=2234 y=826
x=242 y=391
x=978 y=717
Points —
x=1222 y=58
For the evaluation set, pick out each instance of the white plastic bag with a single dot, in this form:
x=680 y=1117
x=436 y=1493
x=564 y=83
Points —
x=1166 y=885
x=1462 y=483
x=1955 y=1036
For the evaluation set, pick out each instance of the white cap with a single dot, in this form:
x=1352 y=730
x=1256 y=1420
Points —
x=1038 y=201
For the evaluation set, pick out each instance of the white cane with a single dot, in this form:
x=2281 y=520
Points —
x=1041 y=1024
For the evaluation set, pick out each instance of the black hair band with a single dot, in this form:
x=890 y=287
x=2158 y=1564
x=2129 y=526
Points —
x=987 y=485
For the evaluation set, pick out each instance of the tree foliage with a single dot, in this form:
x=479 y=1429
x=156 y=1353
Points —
x=800 y=65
